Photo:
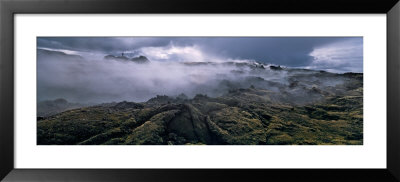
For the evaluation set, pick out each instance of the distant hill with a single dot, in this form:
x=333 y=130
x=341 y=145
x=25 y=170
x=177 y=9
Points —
x=112 y=57
x=48 y=53
x=139 y=59
x=51 y=107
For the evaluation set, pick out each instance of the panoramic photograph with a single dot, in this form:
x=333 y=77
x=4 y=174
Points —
x=199 y=91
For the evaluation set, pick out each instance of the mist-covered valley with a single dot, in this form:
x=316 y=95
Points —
x=90 y=82
x=143 y=99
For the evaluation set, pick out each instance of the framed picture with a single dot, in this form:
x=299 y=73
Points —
x=200 y=90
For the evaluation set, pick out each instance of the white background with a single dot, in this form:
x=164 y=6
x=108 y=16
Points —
x=370 y=155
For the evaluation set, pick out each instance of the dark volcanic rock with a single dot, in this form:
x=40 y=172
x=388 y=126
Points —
x=305 y=108
x=275 y=67
x=191 y=125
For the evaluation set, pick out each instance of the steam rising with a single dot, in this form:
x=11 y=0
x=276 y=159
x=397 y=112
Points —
x=88 y=80
x=81 y=80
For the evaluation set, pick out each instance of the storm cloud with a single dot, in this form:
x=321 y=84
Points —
x=305 y=52
x=79 y=69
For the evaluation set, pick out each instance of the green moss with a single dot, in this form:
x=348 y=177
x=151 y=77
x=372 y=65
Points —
x=242 y=117
x=103 y=137
x=239 y=127
x=149 y=133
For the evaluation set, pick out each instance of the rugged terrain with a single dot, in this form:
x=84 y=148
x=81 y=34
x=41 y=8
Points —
x=302 y=107
x=50 y=107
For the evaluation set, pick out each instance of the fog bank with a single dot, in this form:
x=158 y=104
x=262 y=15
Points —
x=81 y=80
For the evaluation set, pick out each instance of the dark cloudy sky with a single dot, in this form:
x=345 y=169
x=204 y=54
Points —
x=336 y=54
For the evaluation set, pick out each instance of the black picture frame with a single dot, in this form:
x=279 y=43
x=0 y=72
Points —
x=8 y=8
